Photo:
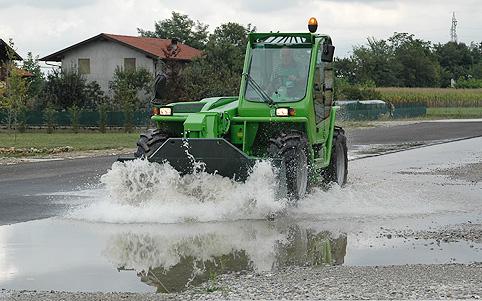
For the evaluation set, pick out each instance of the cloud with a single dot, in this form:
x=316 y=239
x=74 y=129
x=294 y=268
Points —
x=46 y=4
x=48 y=26
x=269 y=6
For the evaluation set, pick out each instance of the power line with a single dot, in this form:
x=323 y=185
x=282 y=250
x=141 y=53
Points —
x=453 y=29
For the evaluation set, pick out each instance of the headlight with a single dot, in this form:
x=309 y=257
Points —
x=285 y=112
x=165 y=111
x=282 y=112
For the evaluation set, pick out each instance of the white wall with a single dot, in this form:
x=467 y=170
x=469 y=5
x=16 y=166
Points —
x=104 y=57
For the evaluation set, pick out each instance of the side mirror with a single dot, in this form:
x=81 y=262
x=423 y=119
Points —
x=160 y=89
x=328 y=53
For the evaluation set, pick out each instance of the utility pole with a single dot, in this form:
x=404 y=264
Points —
x=453 y=29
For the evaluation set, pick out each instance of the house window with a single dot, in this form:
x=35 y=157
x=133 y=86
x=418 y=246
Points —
x=84 y=66
x=130 y=64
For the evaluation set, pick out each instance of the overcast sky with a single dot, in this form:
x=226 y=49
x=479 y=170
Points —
x=45 y=26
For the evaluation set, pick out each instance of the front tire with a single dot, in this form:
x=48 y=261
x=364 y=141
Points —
x=291 y=148
x=337 y=171
x=149 y=142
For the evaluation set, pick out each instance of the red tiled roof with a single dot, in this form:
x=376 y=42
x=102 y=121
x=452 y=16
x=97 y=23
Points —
x=155 y=46
x=23 y=72
x=152 y=47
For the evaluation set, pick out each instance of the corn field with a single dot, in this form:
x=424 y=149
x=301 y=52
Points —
x=432 y=97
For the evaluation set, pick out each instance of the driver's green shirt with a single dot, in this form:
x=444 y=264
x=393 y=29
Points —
x=285 y=81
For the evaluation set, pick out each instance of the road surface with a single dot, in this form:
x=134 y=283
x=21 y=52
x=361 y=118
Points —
x=407 y=226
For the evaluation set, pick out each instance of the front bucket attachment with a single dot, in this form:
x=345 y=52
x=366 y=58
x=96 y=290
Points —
x=216 y=156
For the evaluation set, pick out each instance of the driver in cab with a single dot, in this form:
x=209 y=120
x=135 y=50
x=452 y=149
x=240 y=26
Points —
x=287 y=77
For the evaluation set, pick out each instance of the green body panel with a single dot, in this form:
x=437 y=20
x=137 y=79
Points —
x=248 y=124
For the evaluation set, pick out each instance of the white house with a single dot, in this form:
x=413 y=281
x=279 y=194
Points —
x=98 y=57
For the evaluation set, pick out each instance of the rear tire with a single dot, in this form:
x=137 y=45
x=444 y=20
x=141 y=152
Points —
x=149 y=142
x=337 y=171
x=291 y=148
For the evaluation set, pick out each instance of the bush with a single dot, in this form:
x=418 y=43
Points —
x=22 y=119
x=471 y=83
x=65 y=89
x=74 y=112
x=346 y=91
x=102 y=108
x=49 y=116
x=128 y=85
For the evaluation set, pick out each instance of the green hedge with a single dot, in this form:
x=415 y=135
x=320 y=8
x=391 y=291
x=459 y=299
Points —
x=86 y=119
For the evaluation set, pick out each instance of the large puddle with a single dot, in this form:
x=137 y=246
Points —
x=148 y=229
x=71 y=255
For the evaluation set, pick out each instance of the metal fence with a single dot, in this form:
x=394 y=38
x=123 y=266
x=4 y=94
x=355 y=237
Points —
x=360 y=110
x=352 y=111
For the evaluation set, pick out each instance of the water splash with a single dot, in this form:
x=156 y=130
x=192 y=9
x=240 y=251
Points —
x=142 y=192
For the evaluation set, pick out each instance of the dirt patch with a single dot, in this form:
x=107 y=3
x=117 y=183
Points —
x=32 y=151
x=67 y=153
x=471 y=172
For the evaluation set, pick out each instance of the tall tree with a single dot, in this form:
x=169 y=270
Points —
x=375 y=63
x=219 y=71
x=455 y=60
x=418 y=65
x=36 y=81
x=345 y=69
x=188 y=31
x=401 y=60
x=13 y=99
x=476 y=68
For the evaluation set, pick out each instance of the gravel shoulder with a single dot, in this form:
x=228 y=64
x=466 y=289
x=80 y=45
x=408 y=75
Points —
x=448 y=281
x=452 y=233
x=66 y=155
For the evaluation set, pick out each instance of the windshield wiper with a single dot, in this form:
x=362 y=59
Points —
x=266 y=98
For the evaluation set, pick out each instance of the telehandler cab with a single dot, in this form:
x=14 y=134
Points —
x=284 y=112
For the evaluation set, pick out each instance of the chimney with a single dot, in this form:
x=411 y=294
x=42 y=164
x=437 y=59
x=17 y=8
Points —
x=173 y=46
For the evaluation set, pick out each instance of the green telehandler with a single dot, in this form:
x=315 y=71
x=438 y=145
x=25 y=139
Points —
x=284 y=112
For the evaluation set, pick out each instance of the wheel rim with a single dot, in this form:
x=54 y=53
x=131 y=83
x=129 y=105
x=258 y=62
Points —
x=302 y=174
x=340 y=165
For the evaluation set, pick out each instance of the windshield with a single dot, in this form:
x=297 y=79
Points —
x=282 y=73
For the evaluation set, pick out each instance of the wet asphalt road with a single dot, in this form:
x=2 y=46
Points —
x=24 y=188
x=395 y=231
x=418 y=132
x=405 y=219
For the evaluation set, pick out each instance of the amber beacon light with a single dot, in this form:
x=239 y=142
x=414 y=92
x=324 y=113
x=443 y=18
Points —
x=312 y=25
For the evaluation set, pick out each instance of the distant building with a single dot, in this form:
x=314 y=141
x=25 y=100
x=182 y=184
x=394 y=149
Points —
x=7 y=54
x=98 y=57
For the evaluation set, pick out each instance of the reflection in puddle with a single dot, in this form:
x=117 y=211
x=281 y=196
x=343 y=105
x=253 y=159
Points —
x=111 y=257
x=171 y=262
